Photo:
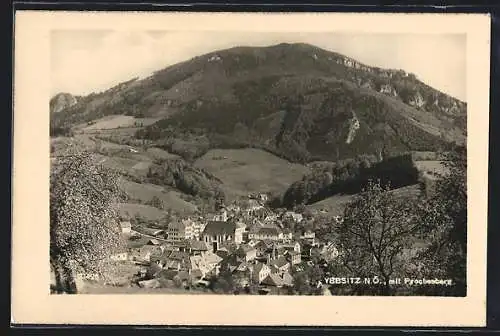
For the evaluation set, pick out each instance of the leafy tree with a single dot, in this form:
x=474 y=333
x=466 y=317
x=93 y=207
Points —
x=452 y=193
x=377 y=228
x=305 y=281
x=301 y=283
x=223 y=283
x=84 y=231
x=177 y=282
x=446 y=227
x=324 y=228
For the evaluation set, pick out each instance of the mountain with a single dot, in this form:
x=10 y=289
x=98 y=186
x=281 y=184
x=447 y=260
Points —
x=298 y=101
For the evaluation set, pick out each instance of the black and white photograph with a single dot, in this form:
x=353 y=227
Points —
x=275 y=163
x=258 y=163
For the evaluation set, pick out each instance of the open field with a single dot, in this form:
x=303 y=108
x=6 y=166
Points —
x=431 y=169
x=80 y=142
x=123 y=131
x=244 y=171
x=427 y=156
x=146 y=211
x=412 y=191
x=123 y=165
x=118 y=163
x=114 y=156
x=142 y=166
x=138 y=242
x=145 y=192
x=116 y=121
x=110 y=122
x=86 y=142
x=435 y=166
x=336 y=204
x=158 y=153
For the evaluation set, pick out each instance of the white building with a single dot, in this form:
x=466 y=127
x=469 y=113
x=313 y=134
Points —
x=238 y=232
x=193 y=229
x=126 y=227
x=217 y=233
x=265 y=233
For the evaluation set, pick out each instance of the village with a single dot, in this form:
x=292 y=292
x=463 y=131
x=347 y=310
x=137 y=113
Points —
x=242 y=248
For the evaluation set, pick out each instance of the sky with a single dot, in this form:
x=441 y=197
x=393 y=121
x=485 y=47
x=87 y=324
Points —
x=86 y=61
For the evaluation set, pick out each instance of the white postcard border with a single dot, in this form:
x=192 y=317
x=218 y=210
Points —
x=31 y=301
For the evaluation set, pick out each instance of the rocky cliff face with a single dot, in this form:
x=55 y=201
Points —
x=353 y=127
x=62 y=101
x=403 y=86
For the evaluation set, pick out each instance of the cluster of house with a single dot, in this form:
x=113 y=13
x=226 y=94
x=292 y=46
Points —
x=252 y=250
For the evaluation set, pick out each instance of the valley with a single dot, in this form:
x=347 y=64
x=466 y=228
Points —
x=257 y=127
x=282 y=138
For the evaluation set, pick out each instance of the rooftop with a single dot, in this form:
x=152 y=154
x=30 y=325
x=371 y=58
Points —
x=287 y=279
x=258 y=267
x=176 y=224
x=172 y=264
x=177 y=255
x=180 y=243
x=268 y=230
x=280 y=262
x=243 y=266
x=261 y=245
x=273 y=280
x=246 y=248
x=153 y=242
x=149 y=231
x=196 y=261
x=148 y=248
x=220 y=228
x=197 y=245
x=211 y=257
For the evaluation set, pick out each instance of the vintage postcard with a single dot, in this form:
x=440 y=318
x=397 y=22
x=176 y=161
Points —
x=250 y=169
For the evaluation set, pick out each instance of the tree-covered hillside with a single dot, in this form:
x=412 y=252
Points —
x=298 y=101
